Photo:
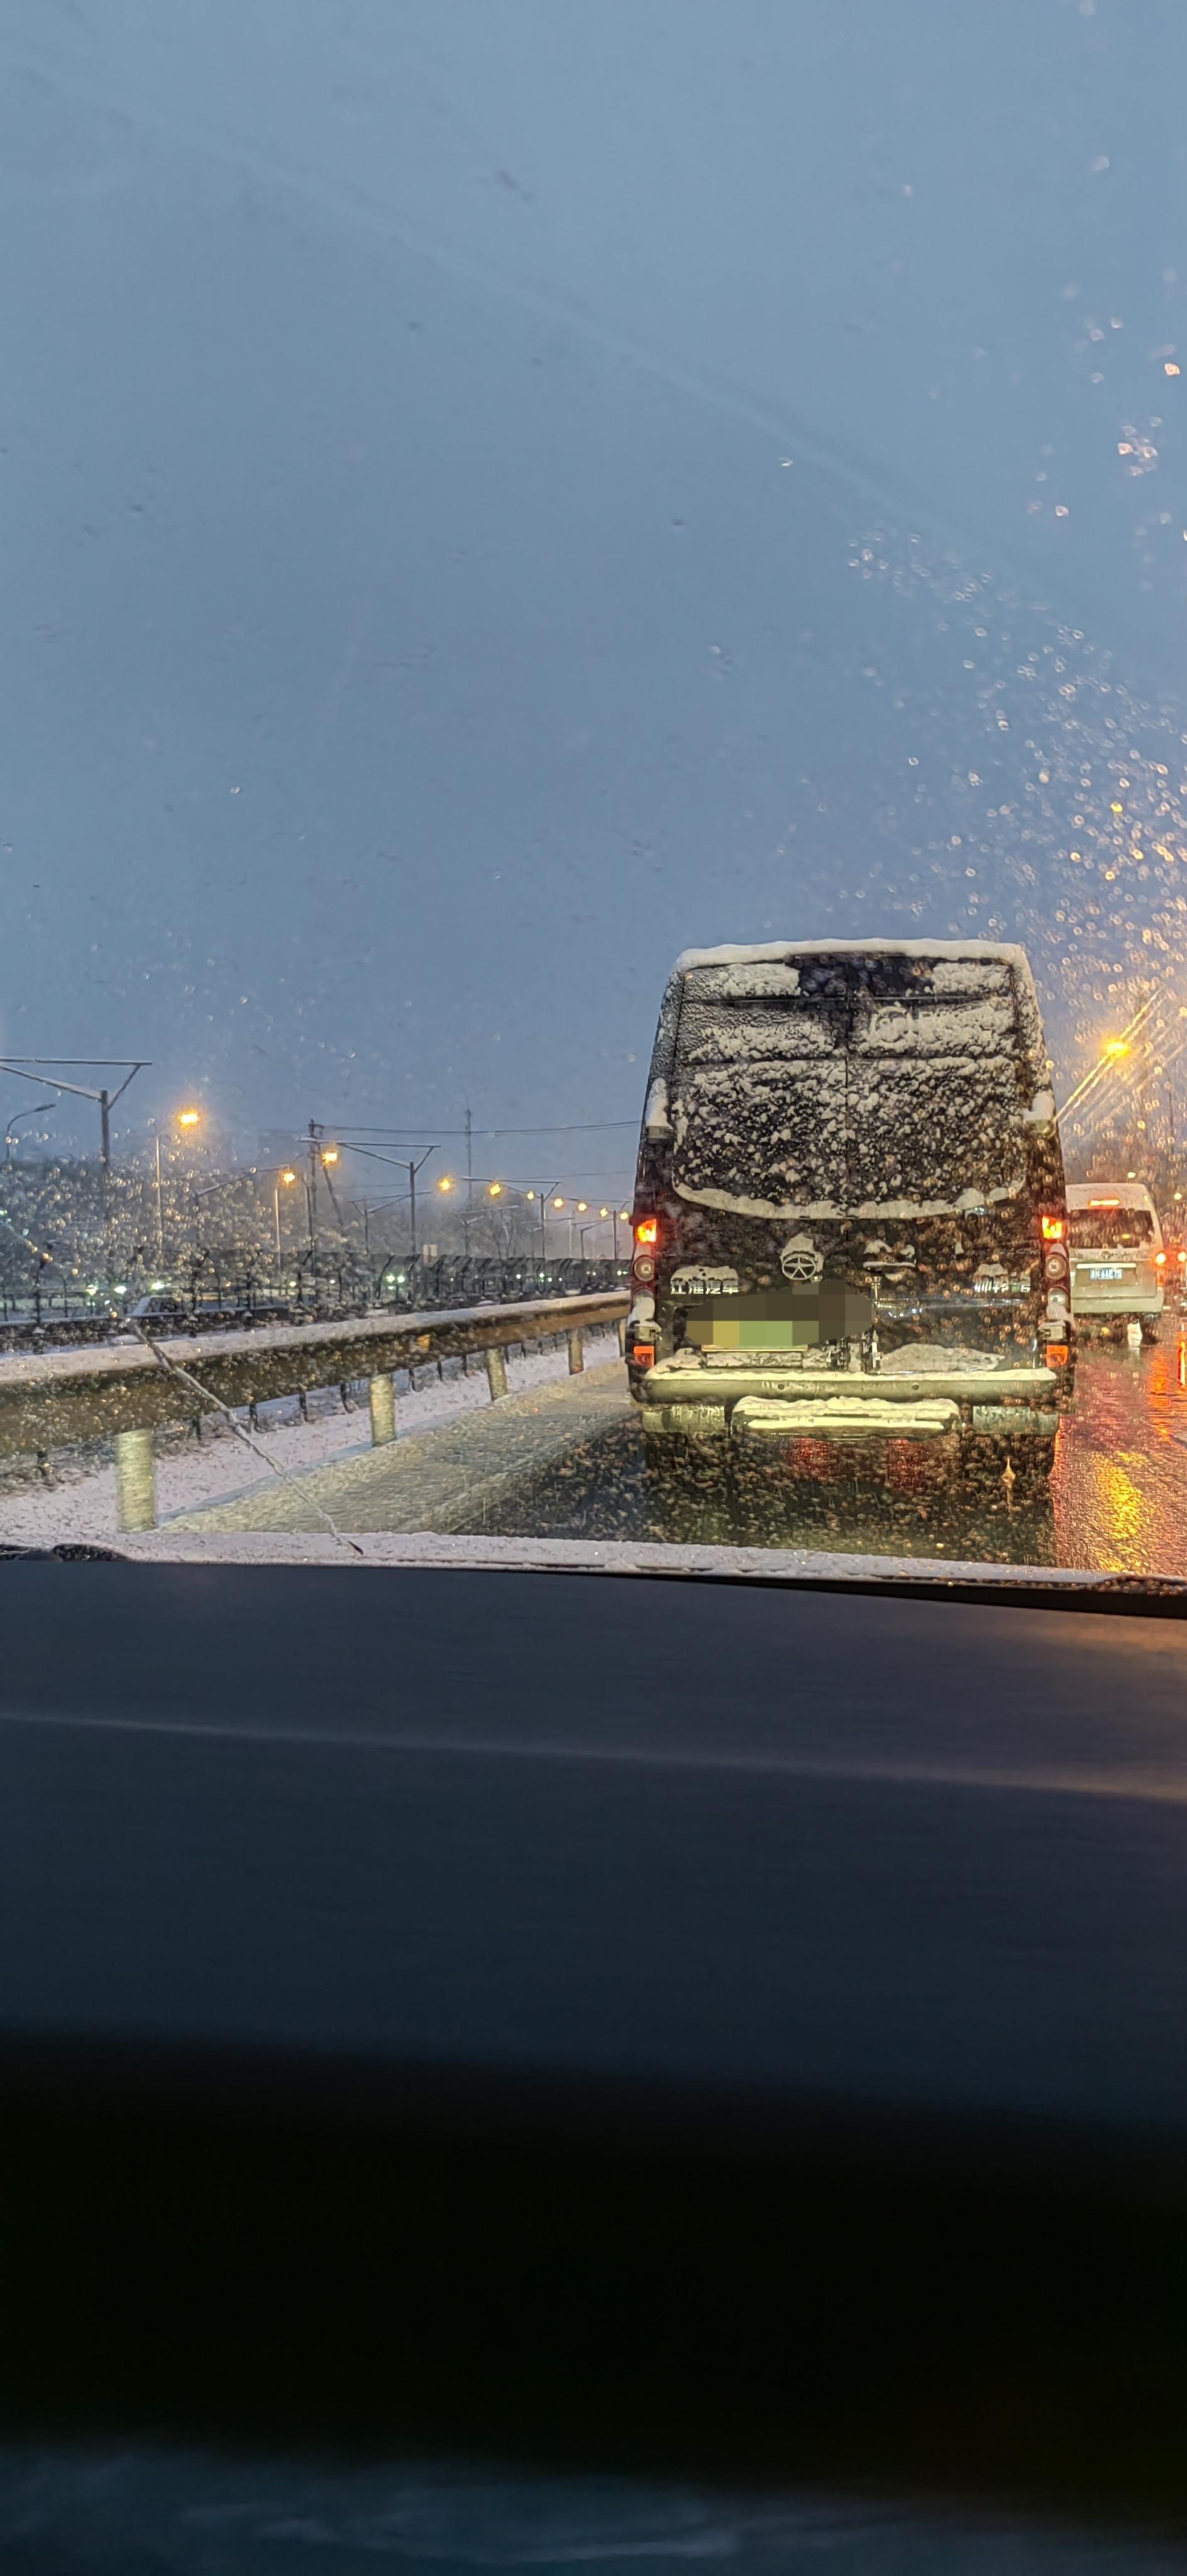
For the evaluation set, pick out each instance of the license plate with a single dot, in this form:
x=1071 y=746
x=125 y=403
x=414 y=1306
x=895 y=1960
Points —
x=1106 y=1274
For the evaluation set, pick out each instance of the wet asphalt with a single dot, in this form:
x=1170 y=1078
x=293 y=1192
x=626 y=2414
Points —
x=1117 y=1500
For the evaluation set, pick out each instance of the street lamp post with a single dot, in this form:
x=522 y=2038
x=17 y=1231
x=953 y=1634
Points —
x=14 y=1122
x=282 y=1175
x=545 y=1195
x=320 y=1156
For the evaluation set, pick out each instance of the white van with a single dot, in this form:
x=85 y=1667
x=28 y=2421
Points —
x=1118 y=1256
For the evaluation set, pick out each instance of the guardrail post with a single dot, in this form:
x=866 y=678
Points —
x=576 y=1353
x=382 y=1392
x=496 y=1374
x=135 y=1482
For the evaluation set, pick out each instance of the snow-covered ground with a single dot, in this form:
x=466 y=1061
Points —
x=80 y=1503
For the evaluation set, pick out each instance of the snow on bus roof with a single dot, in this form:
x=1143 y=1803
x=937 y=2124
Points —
x=774 y=952
x=1125 y=1194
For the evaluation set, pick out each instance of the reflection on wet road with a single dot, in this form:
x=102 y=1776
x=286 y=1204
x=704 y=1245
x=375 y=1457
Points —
x=1117 y=1501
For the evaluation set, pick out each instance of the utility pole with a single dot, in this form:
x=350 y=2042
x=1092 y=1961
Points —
x=311 y=1185
x=469 y=1161
x=413 y=1169
x=160 y=1212
x=545 y=1195
x=80 y=1091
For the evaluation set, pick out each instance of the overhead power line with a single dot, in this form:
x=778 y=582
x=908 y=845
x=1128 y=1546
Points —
x=573 y=1127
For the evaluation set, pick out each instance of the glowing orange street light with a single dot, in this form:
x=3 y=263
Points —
x=283 y=1179
x=189 y=1118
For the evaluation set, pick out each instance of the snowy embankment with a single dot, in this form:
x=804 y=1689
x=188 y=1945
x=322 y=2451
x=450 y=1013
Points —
x=76 y=1498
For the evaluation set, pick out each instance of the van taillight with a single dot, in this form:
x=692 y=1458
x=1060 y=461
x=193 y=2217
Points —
x=1054 y=1228
x=1159 y=1260
x=647 y=1230
x=643 y=1354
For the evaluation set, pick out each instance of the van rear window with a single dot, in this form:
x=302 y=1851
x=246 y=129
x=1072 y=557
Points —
x=1091 y=1228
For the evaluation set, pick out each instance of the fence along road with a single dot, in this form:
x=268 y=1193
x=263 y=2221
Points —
x=123 y=1393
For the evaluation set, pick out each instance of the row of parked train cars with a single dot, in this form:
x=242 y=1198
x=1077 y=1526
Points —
x=851 y=1221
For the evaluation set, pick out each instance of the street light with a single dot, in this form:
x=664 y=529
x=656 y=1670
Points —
x=444 y=1184
x=283 y=1180
x=182 y=1118
x=543 y=1196
x=14 y=1122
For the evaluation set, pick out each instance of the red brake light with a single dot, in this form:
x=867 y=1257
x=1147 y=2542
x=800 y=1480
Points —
x=1054 y=1229
x=1057 y=1354
x=647 y=1230
x=643 y=1355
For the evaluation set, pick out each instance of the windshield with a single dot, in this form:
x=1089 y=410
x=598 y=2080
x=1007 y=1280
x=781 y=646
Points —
x=596 y=783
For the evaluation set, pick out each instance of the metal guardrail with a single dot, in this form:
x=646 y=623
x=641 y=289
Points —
x=124 y=1393
x=328 y=1295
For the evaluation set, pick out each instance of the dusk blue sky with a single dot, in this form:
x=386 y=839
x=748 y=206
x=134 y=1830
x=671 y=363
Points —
x=496 y=491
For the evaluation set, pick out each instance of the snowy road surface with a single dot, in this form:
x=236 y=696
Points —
x=573 y=1468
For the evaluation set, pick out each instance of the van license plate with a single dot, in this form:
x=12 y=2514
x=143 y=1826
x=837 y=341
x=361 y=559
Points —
x=1106 y=1274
